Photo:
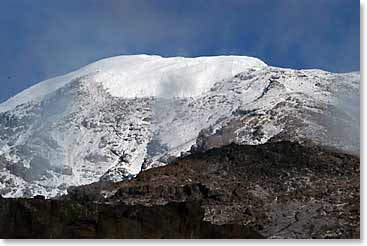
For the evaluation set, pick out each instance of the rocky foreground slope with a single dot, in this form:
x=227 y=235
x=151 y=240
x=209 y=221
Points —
x=273 y=190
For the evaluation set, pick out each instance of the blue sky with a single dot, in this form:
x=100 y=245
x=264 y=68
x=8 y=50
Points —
x=41 y=39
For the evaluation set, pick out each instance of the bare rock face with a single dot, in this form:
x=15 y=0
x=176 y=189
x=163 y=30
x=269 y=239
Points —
x=274 y=190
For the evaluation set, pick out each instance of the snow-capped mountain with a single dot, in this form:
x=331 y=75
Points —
x=119 y=115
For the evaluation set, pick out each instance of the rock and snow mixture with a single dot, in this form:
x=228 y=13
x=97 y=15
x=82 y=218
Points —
x=115 y=117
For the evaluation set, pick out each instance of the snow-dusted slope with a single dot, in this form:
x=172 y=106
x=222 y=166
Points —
x=114 y=117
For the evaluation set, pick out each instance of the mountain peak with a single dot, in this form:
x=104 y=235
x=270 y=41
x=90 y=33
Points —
x=115 y=117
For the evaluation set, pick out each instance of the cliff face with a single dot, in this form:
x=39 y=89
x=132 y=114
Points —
x=274 y=190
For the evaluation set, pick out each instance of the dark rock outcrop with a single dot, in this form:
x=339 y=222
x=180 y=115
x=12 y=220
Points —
x=31 y=218
x=274 y=190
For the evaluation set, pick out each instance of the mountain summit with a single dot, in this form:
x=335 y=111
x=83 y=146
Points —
x=115 y=117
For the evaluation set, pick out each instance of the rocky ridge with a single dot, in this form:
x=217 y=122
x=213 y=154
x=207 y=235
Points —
x=273 y=190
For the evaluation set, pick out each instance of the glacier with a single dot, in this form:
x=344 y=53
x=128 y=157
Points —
x=144 y=76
